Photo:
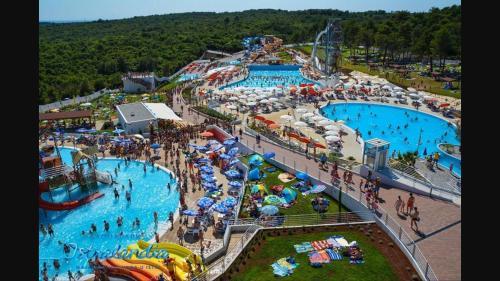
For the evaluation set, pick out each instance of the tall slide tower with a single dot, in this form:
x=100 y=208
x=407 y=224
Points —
x=328 y=42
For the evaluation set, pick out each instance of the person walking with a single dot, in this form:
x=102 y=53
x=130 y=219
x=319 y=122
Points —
x=415 y=218
x=410 y=203
x=398 y=204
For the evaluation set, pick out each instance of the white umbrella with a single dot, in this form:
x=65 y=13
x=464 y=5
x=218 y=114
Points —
x=308 y=114
x=332 y=133
x=243 y=96
x=300 y=124
x=264 y=101
x=260 y=98
x=397 y=88
x=273 y=99
x=138 y=136
x=251 y=103
x=86 y=104
x=332 y=138
x=286 y=117
x=301 y=110
x=386 y=87
x=317 y=118
x=325 y=122
x=233 y=98
x=252 y=96
x=232 y=107
x=251 y=99
x=332 y=128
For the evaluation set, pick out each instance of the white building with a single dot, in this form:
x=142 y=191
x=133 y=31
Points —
x=138 y=82
x=136 y=117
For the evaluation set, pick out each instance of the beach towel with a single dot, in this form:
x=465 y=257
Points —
x=318 y=257
x=334 y=255
x=286 y=177
x=284 y=266
x=320 y=244
x=324 y=256
x=304 y=247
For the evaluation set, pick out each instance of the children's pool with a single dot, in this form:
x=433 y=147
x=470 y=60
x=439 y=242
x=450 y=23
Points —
x=149 y=193
x=382 y=121
x=188 y=76
x=266 y=76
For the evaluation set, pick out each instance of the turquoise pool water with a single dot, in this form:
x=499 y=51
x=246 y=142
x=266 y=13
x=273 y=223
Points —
x=149 y=193
x=382 y=121
x=188 y=76
x=265 y=76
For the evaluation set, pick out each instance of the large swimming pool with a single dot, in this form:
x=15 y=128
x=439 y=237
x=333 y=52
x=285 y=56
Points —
x=266 y=76
x=149 y=193
x=382 y=121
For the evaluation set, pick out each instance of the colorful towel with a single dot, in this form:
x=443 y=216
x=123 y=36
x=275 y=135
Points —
x=304 y=247
x=284 y=266
x=320 y=244
x=334 y=255
x=318 y=257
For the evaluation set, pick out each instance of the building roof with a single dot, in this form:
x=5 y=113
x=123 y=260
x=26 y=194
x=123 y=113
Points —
x=134 y=112
x=65 y=115
x=162 y=111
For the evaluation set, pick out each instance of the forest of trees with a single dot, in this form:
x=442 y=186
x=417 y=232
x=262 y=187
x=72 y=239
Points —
x=78 y=58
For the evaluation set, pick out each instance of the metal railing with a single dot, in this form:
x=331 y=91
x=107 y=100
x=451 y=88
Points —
x=219 y=267
x=304 y=219
x=450 y=187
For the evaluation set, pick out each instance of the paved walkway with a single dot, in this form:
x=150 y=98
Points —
x=440 y=226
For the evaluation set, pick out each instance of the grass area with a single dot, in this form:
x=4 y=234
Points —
x=375 y=268
x=215 y=113
x=430 y=84
x=285 y=57
x=303 y=203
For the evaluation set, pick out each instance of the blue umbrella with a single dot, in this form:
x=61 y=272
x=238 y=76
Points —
x=118 y=131
x=81 y=130
x=218 y=147
x=207 y=169
x=201 y=148
x=234 y=161
x=155 y=146
x=205 y=202
x=256 y=158
x=233 y=151
x=302 y=176
x=225 y=156
x=202 y=160
x=206 y=176
x=230 y=201
x=235 y=184
x=209 y=185
x=269 y=155
x=255 y=162
x=232 y=174
x=210 y=180
x=269 y=210
x=190 y=213
x=220 y=208
x=211 y=142
x=229 y=142
x=289 y=195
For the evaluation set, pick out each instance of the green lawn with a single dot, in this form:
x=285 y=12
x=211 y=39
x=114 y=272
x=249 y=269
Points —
x=375 y=268
x=303 y=203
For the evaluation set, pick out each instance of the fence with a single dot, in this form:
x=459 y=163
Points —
x=58 y=104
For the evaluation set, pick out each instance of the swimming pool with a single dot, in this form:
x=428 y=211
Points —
x=266 y=76
x=149 y=194
x=382 y=121
x=188 y=76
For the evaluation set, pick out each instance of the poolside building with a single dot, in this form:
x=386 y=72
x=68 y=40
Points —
x=134 y=82
x=136 y=117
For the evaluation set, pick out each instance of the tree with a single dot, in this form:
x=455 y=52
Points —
x=441 y=45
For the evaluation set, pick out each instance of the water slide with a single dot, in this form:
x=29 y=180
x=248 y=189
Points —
x=120 y=268
x=44 y=187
